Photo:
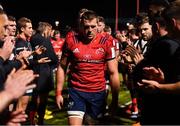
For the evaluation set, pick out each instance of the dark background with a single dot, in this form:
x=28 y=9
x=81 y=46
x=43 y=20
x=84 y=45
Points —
x=66 y=10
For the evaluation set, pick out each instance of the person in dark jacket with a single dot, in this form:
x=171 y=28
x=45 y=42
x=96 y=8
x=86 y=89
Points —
x=45 y=80
x=158 y=107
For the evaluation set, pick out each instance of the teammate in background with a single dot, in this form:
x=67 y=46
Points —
x=57 y=43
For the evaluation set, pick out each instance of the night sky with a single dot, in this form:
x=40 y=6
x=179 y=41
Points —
x=66 y=10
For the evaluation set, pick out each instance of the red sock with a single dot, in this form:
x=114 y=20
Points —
x=134 y=105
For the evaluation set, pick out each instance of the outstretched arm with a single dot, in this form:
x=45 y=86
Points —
x=153 y=87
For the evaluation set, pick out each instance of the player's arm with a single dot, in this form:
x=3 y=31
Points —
x=60 y=75
x=114 y=79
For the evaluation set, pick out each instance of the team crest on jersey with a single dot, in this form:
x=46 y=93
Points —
x=100 y=51
x=76 y=50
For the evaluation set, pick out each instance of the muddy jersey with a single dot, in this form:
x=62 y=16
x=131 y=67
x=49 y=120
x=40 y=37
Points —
x=88 y=61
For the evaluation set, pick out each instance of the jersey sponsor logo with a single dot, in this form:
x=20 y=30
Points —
x=91 y=61
x=100 y=51
x=76 y=50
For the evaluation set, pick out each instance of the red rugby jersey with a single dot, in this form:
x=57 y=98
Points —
x=88 y=61
x=114 y=42
x=57 y=45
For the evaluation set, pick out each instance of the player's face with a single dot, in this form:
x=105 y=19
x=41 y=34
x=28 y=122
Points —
x=146 y=31
x=90 y=28
x=12 y=28
x=101 y=27
x=28 y=30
